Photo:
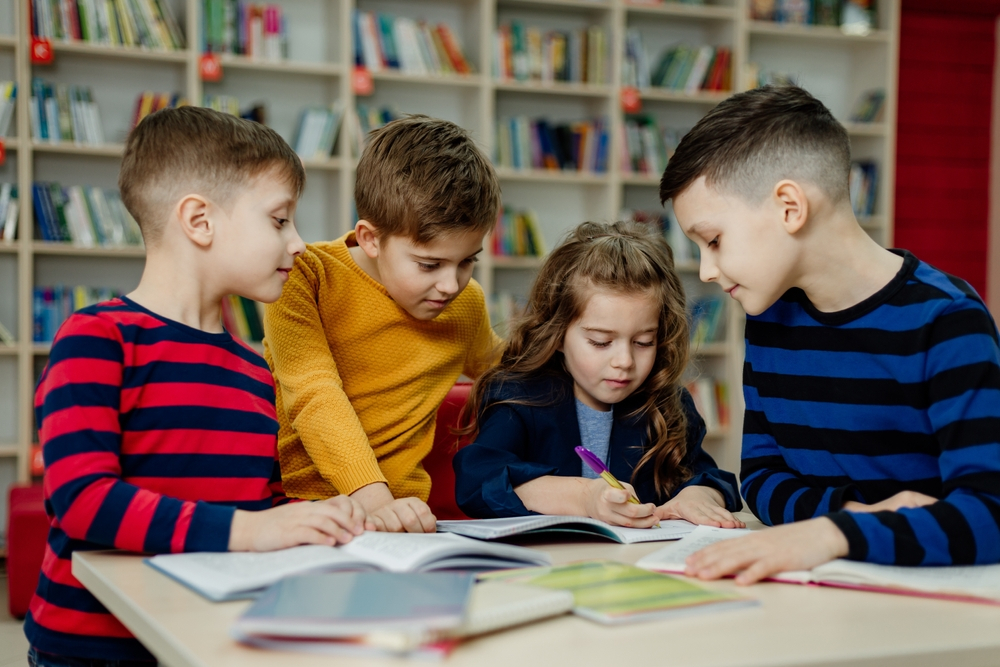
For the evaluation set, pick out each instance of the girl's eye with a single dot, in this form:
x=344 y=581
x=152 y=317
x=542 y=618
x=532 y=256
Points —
x=645 y=343
x=597 y=343
x=426 y=267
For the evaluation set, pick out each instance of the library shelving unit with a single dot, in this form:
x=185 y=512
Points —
x=319 y=71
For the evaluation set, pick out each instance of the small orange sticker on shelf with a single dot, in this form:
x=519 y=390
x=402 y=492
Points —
x=210 y=67
x=631 y=102
x=41 y=51
x=362 y=81
x=37 y=462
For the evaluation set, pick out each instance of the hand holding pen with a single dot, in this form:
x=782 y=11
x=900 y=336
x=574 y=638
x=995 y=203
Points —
x=601 y=498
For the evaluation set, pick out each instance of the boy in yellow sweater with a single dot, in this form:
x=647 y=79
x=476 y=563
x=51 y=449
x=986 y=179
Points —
x=373 y=329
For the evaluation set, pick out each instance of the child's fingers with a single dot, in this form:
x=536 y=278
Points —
x=390 y=522
x=337 y=513
x=309 y=535
x=352 y=509
x=329 y=526
x=374 y=522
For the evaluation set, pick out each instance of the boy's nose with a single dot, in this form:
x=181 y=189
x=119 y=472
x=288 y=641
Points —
x=707 y=270
x=296 y=246
x=448 y=285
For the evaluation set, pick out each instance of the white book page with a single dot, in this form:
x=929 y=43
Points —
x=671 y=558
x=403 y=552
x=491 y=529
x=971 y=580
x=673 y=529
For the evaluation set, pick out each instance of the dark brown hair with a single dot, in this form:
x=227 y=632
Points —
x=421 y=177
x=623 y=257
x=754 y=139
x=174 y=152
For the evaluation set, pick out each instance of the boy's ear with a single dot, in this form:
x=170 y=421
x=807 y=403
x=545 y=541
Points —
x=792 y=204
x=364 y=234
x=193 y=213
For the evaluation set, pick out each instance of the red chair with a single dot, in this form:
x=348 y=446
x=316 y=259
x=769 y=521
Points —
x=438 y=462
x=27 y=531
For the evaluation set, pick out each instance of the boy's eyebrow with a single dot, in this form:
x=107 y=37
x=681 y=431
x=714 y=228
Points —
x=697 y=227
x=439 y=259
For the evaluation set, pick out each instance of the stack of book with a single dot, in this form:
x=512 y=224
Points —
x=539 y=144
x=145 y=23
x=384 y=42
x=241 y=317
x=83 y=215
x=317 y=133
x=853 y=15
x=711 y=398
x=64 y=113
x=8 y=105
x=254 y=30
x=505 y=307
x=9 y=208
x=148 y=102
x=532 y=54
x=867 y=110
x=646 y=148
x=708 y=320
x=517 y=234
x=862 y=185
x=52 y=305
x=685 y=250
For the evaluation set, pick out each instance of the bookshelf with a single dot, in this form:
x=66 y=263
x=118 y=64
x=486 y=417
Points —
x=318 y=71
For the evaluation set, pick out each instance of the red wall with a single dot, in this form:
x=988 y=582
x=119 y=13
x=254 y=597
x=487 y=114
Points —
x=943 y=143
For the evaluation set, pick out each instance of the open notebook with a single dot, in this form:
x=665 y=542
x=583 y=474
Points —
x=971 y=583
x=492 y=529
x=227 y=576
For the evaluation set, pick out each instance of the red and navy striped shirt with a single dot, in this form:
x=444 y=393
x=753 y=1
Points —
x=153 y=434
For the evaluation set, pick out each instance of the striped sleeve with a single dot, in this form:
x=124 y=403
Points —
x=963 y=371
x=774 y=491
x=77 y=407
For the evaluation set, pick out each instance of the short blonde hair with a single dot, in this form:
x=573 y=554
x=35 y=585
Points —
x=197 y=150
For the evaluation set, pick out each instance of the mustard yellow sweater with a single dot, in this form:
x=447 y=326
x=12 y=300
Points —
x=358 y=380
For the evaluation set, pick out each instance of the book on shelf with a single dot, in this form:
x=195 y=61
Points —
x=9 y=209
x=258 y=31
x=149 y=102
x=862 y=184
x=690 y=69
x=852 y=16
x=530 y=53
x=85 y=216
x=363 y=119
x=236 y=575
x=581 y=146
x=389 y=43
x=495 y=529
x=711 y=399
x=8 y=105
x=139 y=23
x=63 y=113
x=242 y=317
x=517 y=234
x=965 y=583
x=230 y=104
x=6 y=337
x=52 y=305
x=869 y=106
x=317 y=132
x=684 y=249
x=646 y=148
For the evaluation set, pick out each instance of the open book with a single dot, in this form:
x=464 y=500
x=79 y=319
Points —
x=971 y=583
x=492 y=529
x=234 y=575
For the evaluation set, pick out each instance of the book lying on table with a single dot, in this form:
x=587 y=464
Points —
x=970 y=583
x=236 y=575
x=612 y=593
x=492 y=529
x=492 y=605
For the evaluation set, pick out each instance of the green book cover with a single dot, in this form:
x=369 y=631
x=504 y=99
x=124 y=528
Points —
x=59 y=202
x=611 y=593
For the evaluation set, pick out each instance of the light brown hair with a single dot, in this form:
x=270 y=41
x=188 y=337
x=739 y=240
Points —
x=174 y=152
x=752 y=140
x=421 y=177
x=623 y=257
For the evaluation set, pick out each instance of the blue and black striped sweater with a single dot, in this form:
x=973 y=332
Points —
x=899 y=392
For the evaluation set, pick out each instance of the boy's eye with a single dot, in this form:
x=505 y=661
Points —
x=281 y=221
x=426 y=267
x=470 y=260
x=714 y=242
x=598 y=343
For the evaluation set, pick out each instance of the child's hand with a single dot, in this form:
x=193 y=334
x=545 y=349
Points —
x=701 y=505
x=793 y=546
x=611 y=505
x=410 y=515
x=903 y=499
x=332 y=521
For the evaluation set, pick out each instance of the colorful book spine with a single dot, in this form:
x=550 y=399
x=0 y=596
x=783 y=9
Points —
x=529 y=53
x=241 y=317
x=517 y=234
x=8 y=105
x=51 y=305
x=150 y=102
x=147 y=24
x=254 y=30
x=61 y=113
x=682 y=68
x=539 y=144
x=9 y=210
x=862 y=185
x=85 y=216
x=388 y=43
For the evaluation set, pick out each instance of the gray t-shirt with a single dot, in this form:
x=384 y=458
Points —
x=595 y=433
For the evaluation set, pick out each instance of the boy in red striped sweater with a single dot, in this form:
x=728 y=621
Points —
x=158 y=427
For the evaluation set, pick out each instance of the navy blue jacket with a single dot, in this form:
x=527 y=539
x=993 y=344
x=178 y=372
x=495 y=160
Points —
x=519 y=443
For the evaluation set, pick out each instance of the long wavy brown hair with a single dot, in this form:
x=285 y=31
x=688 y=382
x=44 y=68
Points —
x=623 y=257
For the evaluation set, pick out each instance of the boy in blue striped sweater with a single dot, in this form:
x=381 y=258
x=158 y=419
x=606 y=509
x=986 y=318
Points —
x=872 y=380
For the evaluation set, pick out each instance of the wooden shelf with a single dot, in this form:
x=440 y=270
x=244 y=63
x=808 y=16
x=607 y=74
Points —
x=8 y=41
x=552 y=88
x=650 y=180
x=69 y=148
x=41 y=349
x=517 y=262
x=10 y=143
x=9 y=246
x=717 y=434
x=816 y=32
x=8 y=450
x=68 y=249
x=709 y=349
x=284 y=66
x=8 y=350
x=682 y=10
x=865 y=129
x=120 y=52
x=667 y=95
x=597 y=5
x=551 y=176
x=460 y=80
